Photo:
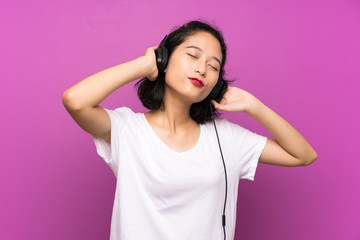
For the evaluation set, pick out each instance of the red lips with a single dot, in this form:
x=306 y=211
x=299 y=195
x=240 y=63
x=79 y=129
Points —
x=197 y=82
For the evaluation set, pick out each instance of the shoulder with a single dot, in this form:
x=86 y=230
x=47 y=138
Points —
x=229 y=128
x=121 y=114
x=232 y=126
x=124 y=110
x=225 y=124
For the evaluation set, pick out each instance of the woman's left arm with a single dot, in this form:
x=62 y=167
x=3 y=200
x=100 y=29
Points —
x=289 y=148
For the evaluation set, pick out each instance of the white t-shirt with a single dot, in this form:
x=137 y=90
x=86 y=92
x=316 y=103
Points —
x=162 y=194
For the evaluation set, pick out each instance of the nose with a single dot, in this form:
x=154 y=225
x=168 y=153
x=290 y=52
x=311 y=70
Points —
x=200 y=67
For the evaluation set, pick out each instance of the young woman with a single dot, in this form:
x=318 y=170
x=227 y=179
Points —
x=172 y=166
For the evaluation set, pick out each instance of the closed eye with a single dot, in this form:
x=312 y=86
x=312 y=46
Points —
x=197 y=58
x=213 y=67
x=191 y=55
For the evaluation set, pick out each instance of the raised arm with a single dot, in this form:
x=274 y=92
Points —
x=289 y=148
x=82 y=100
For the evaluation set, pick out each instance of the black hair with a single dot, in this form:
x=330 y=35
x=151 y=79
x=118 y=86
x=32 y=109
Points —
x=151 y=93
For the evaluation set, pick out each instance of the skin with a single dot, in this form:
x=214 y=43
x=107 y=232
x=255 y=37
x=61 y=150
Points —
x=177 y=130
x=174 y=125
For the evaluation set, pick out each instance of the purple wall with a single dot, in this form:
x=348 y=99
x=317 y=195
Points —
x=301 y=59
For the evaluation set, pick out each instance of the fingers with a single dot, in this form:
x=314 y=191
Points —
x=220 y=106
x=151 y=50
x=216 y=105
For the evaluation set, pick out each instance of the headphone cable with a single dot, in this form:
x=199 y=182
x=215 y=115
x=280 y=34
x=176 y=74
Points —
x=223 y=216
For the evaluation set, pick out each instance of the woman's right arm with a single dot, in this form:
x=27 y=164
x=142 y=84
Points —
x=82 y=100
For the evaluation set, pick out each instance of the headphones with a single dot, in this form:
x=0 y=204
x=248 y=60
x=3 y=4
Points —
x=162 y=59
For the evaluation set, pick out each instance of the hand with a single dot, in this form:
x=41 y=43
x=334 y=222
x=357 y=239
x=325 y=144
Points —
x=236 y=100
x=152 y=67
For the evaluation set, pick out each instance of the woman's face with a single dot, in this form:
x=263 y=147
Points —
x=194 y=67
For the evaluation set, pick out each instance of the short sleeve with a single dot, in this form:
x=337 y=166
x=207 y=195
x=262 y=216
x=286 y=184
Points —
x=248 y=147
x=109 y=152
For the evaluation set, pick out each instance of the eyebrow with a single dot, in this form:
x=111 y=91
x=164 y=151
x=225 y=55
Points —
x=202 y=51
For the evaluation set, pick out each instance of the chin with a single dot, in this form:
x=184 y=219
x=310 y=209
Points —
x=197 y=99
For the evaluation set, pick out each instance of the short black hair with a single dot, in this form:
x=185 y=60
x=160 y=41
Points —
x=151 y=93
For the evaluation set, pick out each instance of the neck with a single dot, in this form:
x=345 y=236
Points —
x=174 y=114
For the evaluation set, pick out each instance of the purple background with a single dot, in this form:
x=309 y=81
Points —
x=300 y=58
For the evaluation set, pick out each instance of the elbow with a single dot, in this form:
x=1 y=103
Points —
x=311 y=159
x=69 y=102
